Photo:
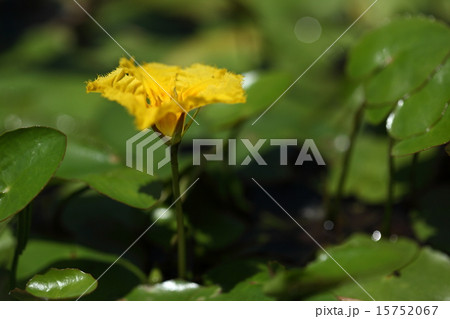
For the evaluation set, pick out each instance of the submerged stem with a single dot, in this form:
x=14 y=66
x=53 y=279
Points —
x=335 y=210
x=413 y=180
x=23 y=229
x=387 y=219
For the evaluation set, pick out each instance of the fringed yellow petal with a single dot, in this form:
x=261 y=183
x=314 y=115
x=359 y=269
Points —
x=160 y=82
x=120 y=87
x=200 y=84
x=154 y=92
x=158 y=79
x=146 y=117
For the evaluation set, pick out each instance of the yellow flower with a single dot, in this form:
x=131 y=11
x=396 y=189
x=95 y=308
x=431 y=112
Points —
x=159 y=94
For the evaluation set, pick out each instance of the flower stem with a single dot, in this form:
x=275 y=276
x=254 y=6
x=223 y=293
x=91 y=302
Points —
x=181 y=239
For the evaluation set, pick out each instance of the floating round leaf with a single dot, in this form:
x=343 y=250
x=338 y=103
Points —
x=390 y=54
x=60 y=284
x=28 y=159
x=174 y=290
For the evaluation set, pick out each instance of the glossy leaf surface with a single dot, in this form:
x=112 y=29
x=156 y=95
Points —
x=360 y=256
x=406 y=63
x=28 y=159
x=172 y=290
x=60 y=284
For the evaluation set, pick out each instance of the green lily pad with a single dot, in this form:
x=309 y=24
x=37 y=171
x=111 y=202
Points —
x=422 y=110
x=391 y=54
x=404 y=74
x=172 y=290
x=102 y=171
x=61 y=284
x=29 y=158
x=41 y=254
x=437 y=135
x=360 y=256
x=426 y=278
x=376 y=115
x=388 y=58
x=421 y=121
x=127 y=186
